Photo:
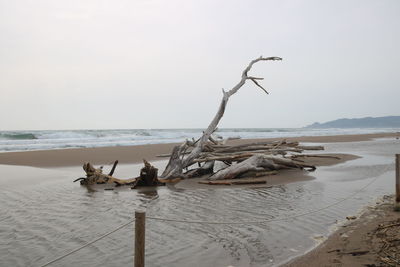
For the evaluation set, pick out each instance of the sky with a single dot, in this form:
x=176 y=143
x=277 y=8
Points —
x=125 y=64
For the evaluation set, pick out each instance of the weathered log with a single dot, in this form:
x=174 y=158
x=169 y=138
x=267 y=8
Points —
x=311 y=147
x=148 y=176
x=257 y=174
x=254 y=163
x=289 y=163
x=266 y=145
x=315 y=156
x=235 y=182
x=167 y=155
x=96 y=176
x=175 y=166
x=225 y=157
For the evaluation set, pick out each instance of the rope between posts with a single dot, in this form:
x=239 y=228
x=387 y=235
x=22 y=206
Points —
x=213 y=222
x=89 y=243
x=270 y=220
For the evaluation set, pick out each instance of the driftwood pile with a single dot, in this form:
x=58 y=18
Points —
x=216 y=163
x=249 y=160
x=245 y=160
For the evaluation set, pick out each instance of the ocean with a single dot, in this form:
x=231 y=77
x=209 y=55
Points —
x=62 y=139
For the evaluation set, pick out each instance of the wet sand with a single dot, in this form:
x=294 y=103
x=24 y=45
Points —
x=370 y=240
x=135 y=154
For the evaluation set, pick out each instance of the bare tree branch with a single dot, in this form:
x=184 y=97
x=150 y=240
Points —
x=176 y=164
x=254 y=78
x=256 y=83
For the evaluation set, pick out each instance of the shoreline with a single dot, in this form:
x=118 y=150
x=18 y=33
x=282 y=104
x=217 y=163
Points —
x=135 y=154
x=359 y=242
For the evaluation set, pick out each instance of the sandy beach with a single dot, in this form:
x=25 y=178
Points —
x=362 y=157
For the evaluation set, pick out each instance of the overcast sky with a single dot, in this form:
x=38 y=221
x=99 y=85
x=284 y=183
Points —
x=93 y=64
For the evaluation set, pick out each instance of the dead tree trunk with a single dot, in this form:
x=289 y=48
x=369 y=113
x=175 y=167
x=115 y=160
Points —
x=96 y=176
x=254 y=163
x=148 y=176
x=178 y=161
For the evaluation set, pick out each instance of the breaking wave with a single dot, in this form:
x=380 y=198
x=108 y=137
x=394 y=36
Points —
x=43 y=140
x=17 y=136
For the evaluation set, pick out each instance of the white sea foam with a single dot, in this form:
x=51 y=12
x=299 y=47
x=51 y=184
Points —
x=42 y=140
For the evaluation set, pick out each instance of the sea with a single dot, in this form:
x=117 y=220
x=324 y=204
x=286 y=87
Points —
x=62 y=139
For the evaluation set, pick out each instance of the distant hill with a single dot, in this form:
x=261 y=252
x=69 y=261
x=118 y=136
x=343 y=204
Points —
x=368 y=122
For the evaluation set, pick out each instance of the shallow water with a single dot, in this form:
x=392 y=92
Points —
x=44 y=215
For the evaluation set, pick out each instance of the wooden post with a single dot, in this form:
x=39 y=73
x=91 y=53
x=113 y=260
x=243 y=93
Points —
x=397 y=179
x=140 y=227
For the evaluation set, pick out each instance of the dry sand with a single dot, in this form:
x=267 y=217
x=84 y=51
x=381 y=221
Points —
x=135 y=154
x=77 y=156
x=371 y=240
